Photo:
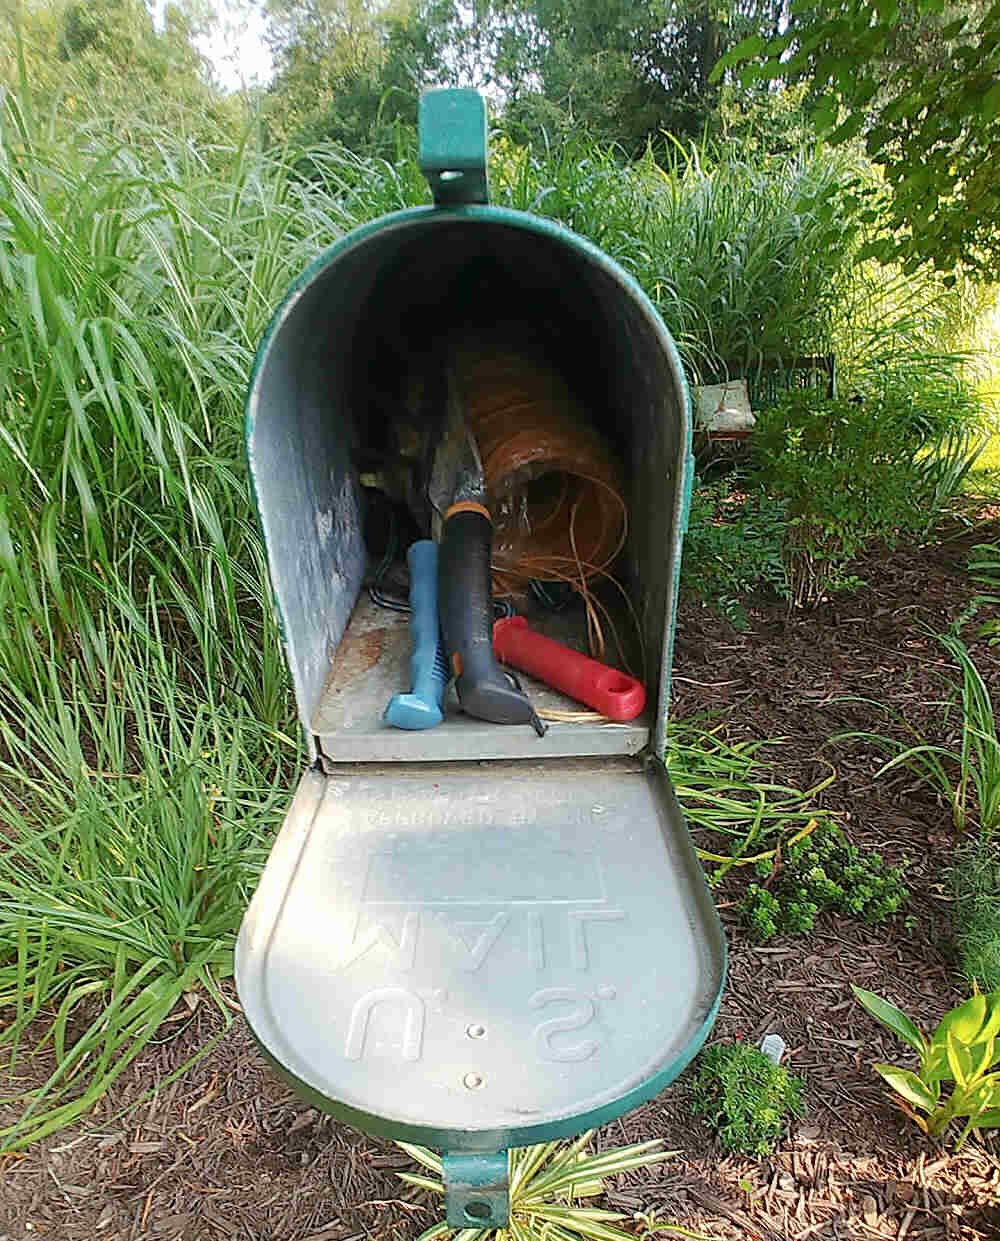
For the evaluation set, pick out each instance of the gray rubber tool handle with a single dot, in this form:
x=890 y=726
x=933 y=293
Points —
x=465 y=593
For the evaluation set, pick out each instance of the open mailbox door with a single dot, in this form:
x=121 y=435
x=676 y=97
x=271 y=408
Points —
x=475 y=957
x=468 y=937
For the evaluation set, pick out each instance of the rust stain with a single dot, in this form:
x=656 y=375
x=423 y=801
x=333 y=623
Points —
x=357 y=655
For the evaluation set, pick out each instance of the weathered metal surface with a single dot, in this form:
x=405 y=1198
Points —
x=476 y=1190
x=372 y=662
x=482 y=955
x=303 y=421
x=452 y=126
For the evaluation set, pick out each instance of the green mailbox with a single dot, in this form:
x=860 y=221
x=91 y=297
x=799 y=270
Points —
x=468 y=937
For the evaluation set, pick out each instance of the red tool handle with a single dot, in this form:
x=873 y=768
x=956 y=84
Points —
x=601 y=688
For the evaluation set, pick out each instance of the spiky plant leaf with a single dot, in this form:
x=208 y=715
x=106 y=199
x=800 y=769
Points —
x=544 y=1181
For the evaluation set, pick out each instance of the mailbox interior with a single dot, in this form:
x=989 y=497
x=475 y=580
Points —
x=317 y=409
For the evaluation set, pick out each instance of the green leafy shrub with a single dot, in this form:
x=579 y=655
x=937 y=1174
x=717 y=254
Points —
x=975 y=885
x=925 y=400
x=852 y=470
x=733 y=548
x=745 y=1097
x=820 y=872
x=962 y=1050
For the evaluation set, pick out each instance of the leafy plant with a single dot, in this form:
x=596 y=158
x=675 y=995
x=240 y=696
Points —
x=851 y=471
x=146 y=736
x=984 y=568
x=124 y=873
x=946 y=469
x=966 y=771
x=974 y=880
x=880 y=72
x=547 y=1185
x=962 y=1050
x=743 y=258
x=745 y=1097
x=733 y=547
x=819 y=872
x=724 y=788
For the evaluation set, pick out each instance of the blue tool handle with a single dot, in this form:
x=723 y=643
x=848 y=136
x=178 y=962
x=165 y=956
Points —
x=428 y=669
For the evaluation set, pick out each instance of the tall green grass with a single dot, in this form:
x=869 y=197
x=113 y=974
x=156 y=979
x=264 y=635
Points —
x=746 y=258
x=134 y=821
x=964 y=772
x=147 y=742
x=742 y=259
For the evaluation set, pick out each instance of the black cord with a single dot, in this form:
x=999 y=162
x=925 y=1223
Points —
x=501 y=608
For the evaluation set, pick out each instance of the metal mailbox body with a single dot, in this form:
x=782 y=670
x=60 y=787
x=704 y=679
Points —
x=468 y=937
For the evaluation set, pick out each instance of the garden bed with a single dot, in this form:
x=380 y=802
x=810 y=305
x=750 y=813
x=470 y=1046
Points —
x=226 y=1151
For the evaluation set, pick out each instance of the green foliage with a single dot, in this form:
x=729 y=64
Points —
x=854 y=469
x=136 y=817
x=966 y=772
x=920 y=83
x=621 y=70
x=743 y=258
x=745 y=1098
x=349 y=72
x=751 y=259
x=147 y=736
x=724 y=787
x=974 y=880
x=984 y=568
x=84 y=62
x=733 y=547
x=547 y=1185
x=818 y=873
x=962 y=1050
x=767 y=122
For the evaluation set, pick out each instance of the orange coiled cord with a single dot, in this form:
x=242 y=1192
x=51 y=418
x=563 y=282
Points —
x=553 y=484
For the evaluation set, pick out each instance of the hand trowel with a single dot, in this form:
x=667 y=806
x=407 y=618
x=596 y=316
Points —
x=464 y=529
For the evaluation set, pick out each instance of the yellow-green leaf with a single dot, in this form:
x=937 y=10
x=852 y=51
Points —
x=959 y=1059
x=965 y=1022
x=891 y=1016
x=908 y=1085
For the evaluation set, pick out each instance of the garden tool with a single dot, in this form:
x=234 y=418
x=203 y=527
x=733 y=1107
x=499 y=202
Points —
x=464 y=528
x=599 y=687
x=421 y=708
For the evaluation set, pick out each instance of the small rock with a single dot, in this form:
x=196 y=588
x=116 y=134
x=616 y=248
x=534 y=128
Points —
x=808 y=1133
x=869 y=1210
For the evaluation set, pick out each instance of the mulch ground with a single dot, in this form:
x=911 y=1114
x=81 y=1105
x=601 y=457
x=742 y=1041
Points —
x=225 y=1151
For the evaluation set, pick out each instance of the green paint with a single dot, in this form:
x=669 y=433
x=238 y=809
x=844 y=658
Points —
x=491 y=1141
x=476 y=1190
x=453 y=146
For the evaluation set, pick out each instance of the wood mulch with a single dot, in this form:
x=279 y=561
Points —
x=226 y=1151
